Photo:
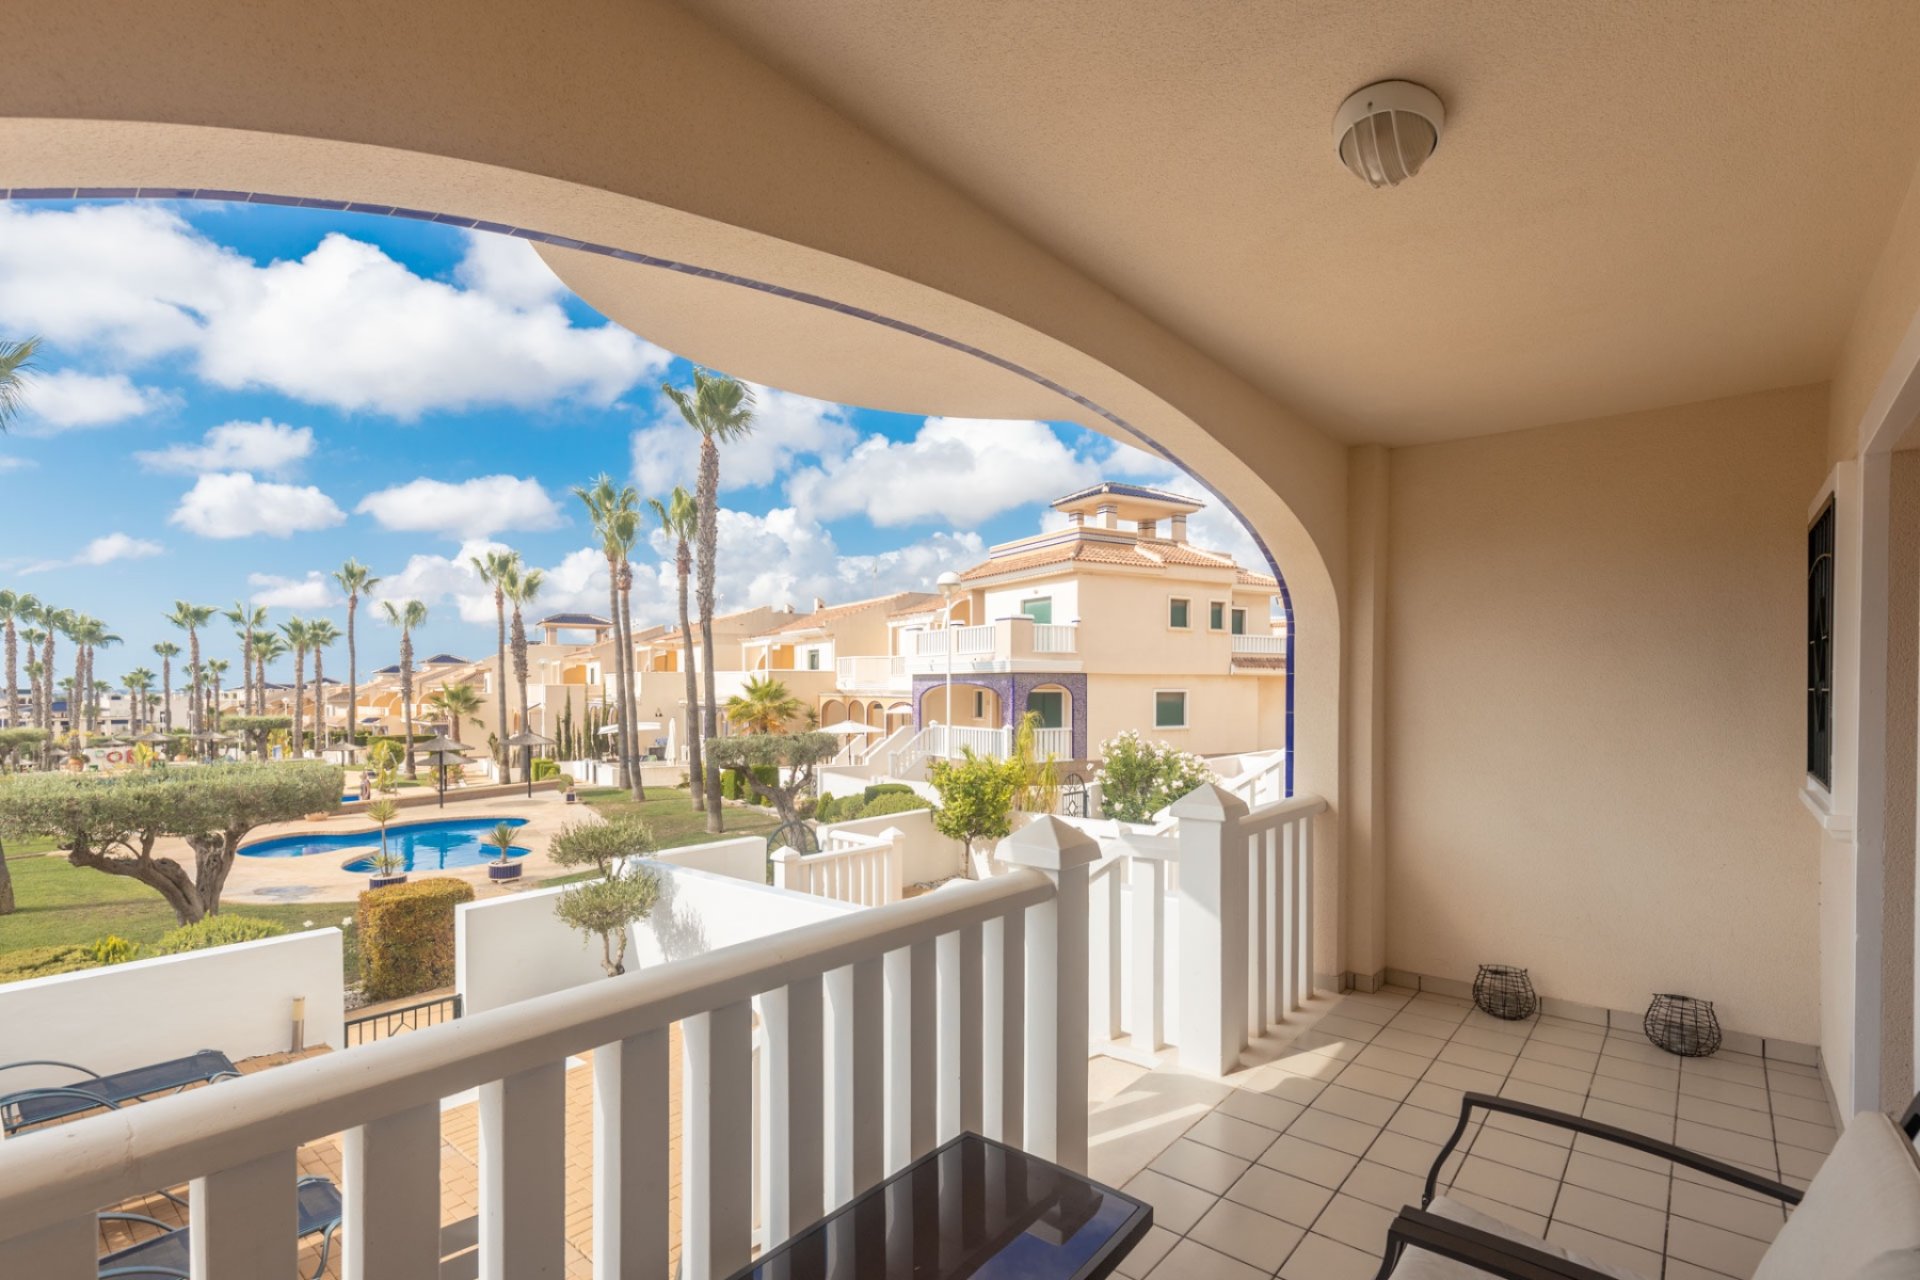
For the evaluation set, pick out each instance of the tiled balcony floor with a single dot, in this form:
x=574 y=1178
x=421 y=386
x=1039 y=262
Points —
x=1293 y=1168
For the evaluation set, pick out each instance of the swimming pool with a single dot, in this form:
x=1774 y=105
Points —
x=422 y=846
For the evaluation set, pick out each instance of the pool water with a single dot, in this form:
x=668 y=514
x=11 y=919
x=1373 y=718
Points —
x=421 y=846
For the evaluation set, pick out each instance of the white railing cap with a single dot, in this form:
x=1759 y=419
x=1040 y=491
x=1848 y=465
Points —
x=1145 y=844
x=1048 y=844
x=1209 y=802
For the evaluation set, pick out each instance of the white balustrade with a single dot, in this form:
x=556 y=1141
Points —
x=1264 y=784
x=880 y=672
x=1056 y=637
x=1057 y=743
x=968 y=642
x=973 y=1032
x=1263 y=645
x=850 y=867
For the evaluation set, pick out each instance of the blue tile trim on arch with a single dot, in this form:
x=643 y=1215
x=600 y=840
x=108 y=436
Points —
x=722 y=277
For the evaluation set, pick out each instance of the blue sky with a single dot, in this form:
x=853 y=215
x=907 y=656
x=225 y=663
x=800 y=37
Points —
x=234 y=399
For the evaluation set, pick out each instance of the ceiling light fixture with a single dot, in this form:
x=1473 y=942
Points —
x=1385 y=132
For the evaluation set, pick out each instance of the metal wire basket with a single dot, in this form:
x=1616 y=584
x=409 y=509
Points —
x=1683 y=1025
x=1505 y=992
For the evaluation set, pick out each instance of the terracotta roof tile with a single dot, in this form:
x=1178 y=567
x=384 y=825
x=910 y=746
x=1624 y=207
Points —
x=833 y=613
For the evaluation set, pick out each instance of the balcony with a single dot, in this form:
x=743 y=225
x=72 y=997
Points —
x=883 y=674
x=1009 y=644
x=1263 y=646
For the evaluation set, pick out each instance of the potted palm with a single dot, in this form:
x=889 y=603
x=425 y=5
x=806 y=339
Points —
x=503 y=867
x=388 y=865
x=573 y=796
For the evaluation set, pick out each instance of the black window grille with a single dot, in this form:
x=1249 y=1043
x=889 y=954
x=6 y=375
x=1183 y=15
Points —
x=1820 y=544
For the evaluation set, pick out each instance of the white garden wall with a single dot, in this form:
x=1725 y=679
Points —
x=741 y=859
x=926 y=854
x=236 y=999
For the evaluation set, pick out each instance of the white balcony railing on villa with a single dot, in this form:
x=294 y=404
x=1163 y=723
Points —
x=968 y=642
x=1055 y=743
x=1056 y=638
x=948 y=742
x=1261 y=782
x=882 y=672
x=850 y=867
x=956 y=1010
x=1262 y=645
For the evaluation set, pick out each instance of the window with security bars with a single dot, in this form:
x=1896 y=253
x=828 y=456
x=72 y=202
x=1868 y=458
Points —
x=1820 y=545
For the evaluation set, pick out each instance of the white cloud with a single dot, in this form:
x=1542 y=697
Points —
x=507 y=268
x=344 y=326
x=235 y=505
x=271 y=448
x=577 y=582
x=13 y=462
x=958 y=471
x=66 y=399
x=315 y=591
x=466 y=510
x=785 y=427
x=102 y=550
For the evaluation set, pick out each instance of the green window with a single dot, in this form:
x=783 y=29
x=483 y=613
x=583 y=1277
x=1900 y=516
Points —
x=1216 y=616
x=1051 y=706
x=1170 y=710
x=1239 y=622
x=1177 y=610
x=1041 y=610
x=979 y=705
x=813 y=659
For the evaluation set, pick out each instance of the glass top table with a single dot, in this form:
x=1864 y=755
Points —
x=972 y=1208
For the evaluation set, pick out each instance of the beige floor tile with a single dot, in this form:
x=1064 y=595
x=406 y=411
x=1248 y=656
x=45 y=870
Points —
x=1327 y=1044
x=1409 y=1042
x=1575 y=1035
x=1799 y=1163
x=1599 y=1248
x=1622 y=1155
x=1356 y=1104
x=1354 y=1029
x=1735 y=1067
x=1483 y=1032
x=1223 y=1132
x=1628 y=1094
x=1353 y=1221
x=1539 y=1130
x=1365 y=1010
x=1622 y=1181
x=1637 y=1224
x=1199 y=1165
x=1146 y=1255
x=1453 y=1075
x=1543 y=1095
x=1410 y=1065
x=1279 y=1082
x=1384 y=1084
x=1176 y=1205
x=1421 y=1023
x=1398 y=1151
x=1654 y=1124
x=1553 y=1075
x=1547 y=1159
x=1713 y=1089
x=1798 y=1086
x=1725 y=1115
x=1635 y=1049
x=1377 y=1184
x=1247 y=1235
x=1742 y=1215
x=1494 y=1062
x=1280 y=1195
x=1657 y=1075
x=1428 y=1126
x=1260 y=1109
x=1726 y=1144
x=1448 y=1008
x=1795 y=1107
x=1442 y=1100
x=1329 y=1130
x=1191 y=1260
x=1713 y=1247
x=1507 y=1184
x=1533 y=1224
x=1678 y=1270
x=1560 y=1055
x=1309 y=1160
x=1320 y=1258
x=1799 y=1133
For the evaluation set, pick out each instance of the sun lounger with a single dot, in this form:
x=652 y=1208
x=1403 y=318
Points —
x=168 y=1256
x=27 y=1107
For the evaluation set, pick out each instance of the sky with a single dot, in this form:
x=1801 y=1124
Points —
x=232 y=400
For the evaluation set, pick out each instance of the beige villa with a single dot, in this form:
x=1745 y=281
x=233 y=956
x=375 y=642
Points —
x=1565 y=360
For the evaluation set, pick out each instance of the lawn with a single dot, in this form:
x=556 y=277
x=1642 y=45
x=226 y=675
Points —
x=675 y=822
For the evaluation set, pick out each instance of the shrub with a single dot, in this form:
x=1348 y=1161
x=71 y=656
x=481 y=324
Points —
x=878 y=789
x=43 y=962
x=624 y=891
x=731 y=784
x=976 y=798
x=1139 y=778
x=894 y=802
x=112 y=949
x=406 y=936
x=829 y=809
x=543 y=768
x=215 y=931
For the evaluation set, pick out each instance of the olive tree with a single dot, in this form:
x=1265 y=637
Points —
x=792 y=758
x=113 y=822
x=256 y=729
x=620 y=891
x=976 y=798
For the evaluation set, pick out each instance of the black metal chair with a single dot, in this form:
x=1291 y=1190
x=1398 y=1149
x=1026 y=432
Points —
x=1512 y=1255
x=27 y=1107
x=168 y=1256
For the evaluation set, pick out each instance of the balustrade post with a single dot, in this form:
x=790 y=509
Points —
x=787 y=870
x=1213 y=929
x=716 y=1142
x=892 y=860
x=1147 y=858
x=630 y=1164
x=1057 y=941
x=57 y=1251
x=523 y=1160
x=1306 y=906
x=242 y=1219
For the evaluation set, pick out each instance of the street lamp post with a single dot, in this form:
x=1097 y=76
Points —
x=949 y=583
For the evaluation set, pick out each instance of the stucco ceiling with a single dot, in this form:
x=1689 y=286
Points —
x=1635 y=204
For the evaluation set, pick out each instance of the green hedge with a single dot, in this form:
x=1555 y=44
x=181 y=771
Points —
x=215 y=931
x=894 y=802
x=879 y=789
x=406 y=936
x=42 y=962
x=544 y=768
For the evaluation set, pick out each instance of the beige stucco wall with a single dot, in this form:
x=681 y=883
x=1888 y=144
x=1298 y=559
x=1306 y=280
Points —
x=1595 y=708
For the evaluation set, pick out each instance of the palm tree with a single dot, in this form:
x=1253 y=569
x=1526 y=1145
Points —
x=407 y=617
x=764 y=705
x=356 y=580
x=168 y=651
x=89 y=636
x=56 y=622
x=493 y=569
x=616 y=518
x=16 y=362
x=721 y=410
x=250 y=620
x=268 y=648
x=16 y=607
x=217 y=669
x=139 y=682
x=190 y=618
x=320 y=634
x=295 y=630
x=521 y=586
x=33 y=637
x=679 y=516
x=454 y=701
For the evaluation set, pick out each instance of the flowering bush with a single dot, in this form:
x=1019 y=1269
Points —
x=1139 y=778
